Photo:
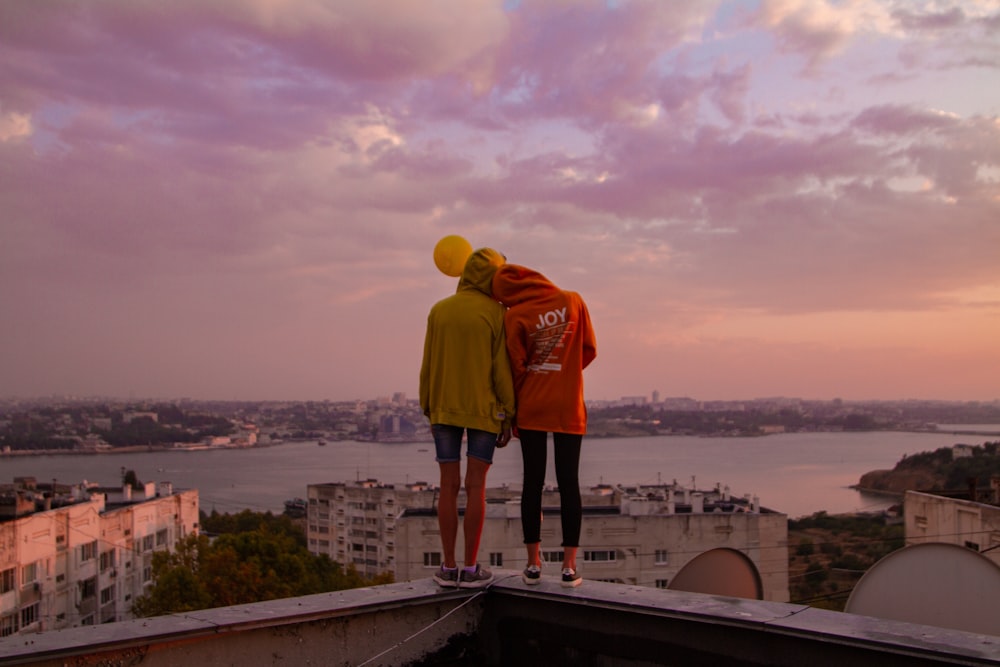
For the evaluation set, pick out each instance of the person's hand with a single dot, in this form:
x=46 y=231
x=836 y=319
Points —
x=503 y=438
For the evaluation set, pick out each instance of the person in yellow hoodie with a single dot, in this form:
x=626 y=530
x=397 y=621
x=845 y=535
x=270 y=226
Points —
x=466 y=388
x=550 y=341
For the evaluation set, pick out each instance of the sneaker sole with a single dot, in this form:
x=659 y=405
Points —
x=475 y=584
x=445 y=583
x=571 y=584
x=531 y=581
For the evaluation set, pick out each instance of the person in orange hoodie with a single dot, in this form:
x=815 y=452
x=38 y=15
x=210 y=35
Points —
x=550 y=341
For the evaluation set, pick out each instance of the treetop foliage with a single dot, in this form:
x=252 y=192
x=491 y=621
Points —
x=254 y=557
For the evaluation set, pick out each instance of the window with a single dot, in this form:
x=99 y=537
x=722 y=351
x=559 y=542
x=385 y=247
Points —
x=88 y=588
x=496 y=559
x=107 y=559
x=88 y=551
x=147 y=543
x=107 y=594
x=552 y=556
x=8 y=625
x=600 y=555
x=661 y=557
x=8 y=580
x=29 y=573
x=29 y=614
x=161 y=538
x=971 y=545
x=432 y=559
x=147 y=573
x=661 y=583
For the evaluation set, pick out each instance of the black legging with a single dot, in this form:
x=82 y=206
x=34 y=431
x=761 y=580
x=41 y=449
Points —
x=567 y=456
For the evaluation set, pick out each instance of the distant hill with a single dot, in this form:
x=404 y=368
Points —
x=947 y=468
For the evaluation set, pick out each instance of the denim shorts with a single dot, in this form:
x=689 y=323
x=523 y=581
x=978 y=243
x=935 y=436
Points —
x=448 y=443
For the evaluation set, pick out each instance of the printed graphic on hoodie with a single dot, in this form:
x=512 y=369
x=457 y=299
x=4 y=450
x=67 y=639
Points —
x=547 y=341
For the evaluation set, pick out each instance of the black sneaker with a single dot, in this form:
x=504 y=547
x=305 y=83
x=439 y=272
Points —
x=476 y=579
x=446 y=578
x=532 y=575
x=570 y=579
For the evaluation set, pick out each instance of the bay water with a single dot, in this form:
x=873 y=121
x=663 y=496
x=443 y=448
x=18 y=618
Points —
x=794 y=473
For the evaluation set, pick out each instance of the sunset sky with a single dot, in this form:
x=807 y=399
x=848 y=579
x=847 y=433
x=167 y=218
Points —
x=239 y=199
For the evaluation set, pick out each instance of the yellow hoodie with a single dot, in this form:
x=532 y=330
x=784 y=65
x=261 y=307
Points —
x=465 y=377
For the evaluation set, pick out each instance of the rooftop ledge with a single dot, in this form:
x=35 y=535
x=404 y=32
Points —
x=418 y=623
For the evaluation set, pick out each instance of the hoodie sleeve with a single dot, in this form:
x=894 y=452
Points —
x=517 y=351
x=503 y=382
x=589 y=340
x=425 y=372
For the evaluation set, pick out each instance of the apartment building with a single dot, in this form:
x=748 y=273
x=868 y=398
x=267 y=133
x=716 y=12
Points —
x=968 y=518
x=641 y=535
x=73 y=555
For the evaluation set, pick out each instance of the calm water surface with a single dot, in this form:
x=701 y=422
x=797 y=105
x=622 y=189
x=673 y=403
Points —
x=794 y=473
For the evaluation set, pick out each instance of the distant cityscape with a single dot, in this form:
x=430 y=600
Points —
x=93 y=546
x=96 y=425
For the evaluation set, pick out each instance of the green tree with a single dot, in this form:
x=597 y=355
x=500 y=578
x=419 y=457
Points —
x=259 y=557
x=178 y=587
x=805 y=547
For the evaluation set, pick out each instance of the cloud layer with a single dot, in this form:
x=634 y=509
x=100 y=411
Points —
x=240 y=199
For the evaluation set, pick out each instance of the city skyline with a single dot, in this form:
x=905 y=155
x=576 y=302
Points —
x=755 y=198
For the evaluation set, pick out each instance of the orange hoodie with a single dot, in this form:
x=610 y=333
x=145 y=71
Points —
x=550 y=341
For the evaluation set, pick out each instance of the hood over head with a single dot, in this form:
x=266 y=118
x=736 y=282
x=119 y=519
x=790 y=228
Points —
x=514 y=284
x=479 y=270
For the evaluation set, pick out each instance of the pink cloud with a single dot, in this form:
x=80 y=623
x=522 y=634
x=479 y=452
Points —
x=190 y=187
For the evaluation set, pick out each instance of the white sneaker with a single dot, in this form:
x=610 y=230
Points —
x=532 y=575
x=570 y=579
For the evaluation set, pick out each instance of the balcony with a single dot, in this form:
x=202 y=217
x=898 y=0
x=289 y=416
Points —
x=417 y=623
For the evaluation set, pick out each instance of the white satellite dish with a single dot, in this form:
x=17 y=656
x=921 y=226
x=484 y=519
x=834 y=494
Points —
x=720 y=572
x=932 y=583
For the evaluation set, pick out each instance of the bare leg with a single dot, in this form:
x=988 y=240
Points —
x=475 y=507
x=569 y=558
x=534 y=553
x=451 y=482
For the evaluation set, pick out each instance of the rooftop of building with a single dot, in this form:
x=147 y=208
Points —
x=418 y=623
x=643 y=499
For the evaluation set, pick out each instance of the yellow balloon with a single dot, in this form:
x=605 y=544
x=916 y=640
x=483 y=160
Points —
x=450 y=255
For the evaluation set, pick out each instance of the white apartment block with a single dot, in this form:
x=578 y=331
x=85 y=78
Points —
x=971 y=523
x=79 y=555
x=634 y=535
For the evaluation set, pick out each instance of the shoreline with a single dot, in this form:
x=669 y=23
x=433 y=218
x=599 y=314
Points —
x=133 y=449
x=877 y=492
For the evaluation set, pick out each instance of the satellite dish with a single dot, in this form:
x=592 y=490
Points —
x=720 y=572
x=932 y=583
